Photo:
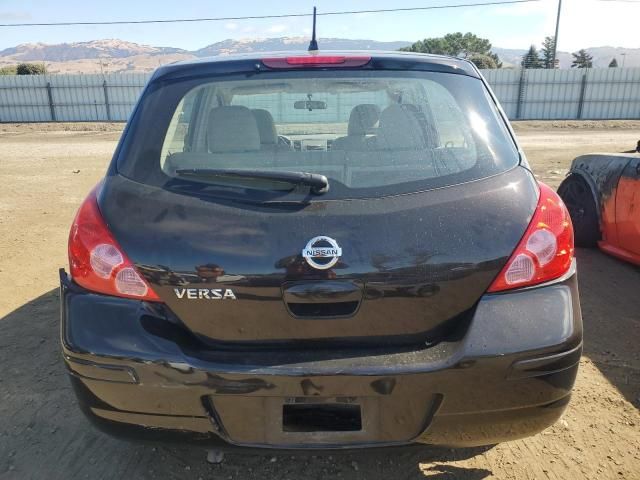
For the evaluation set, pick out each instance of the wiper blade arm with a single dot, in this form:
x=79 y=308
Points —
x=318 y=183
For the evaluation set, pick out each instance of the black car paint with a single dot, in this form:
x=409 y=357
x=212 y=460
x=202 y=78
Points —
x=499 y=376
x=397 y=248
x=450 y=366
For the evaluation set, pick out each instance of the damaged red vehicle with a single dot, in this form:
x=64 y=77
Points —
x=602 y=193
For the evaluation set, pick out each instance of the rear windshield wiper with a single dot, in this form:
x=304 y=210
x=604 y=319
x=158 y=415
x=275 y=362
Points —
x=318 y=183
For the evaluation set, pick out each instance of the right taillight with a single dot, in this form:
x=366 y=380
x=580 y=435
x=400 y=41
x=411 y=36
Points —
x=546 y=249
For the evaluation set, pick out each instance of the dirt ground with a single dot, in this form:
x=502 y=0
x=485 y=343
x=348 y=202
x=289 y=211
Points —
x=45 y=172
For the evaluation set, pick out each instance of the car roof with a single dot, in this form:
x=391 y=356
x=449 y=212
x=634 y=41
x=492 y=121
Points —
x=380 y=60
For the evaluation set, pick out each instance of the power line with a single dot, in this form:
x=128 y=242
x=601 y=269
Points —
x=260 y=17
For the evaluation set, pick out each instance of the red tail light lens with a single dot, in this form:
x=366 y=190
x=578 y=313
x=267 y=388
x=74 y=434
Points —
x=97 y=262
x=546 y=250
x=316 y=61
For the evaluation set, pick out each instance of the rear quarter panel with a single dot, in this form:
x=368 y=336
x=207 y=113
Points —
x=628 y=210
x=602 y=173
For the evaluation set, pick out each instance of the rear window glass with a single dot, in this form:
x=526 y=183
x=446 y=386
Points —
x=369 y=133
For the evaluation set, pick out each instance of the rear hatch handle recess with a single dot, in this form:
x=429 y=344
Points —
x=318 y=183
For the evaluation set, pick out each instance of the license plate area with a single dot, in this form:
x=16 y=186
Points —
x=328 y=411
x=318 y=420
x=321 y=417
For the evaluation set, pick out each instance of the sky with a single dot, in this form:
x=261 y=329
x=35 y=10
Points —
x=584 y=23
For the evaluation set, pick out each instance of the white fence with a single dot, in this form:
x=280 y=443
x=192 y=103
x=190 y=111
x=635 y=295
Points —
x=69 y=98
x=608 y=93
x=605 y=93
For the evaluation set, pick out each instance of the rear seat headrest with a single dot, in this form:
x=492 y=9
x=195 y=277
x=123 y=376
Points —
x=232 y=129
x=266 y=126
x=400 y=129
x=362 y=118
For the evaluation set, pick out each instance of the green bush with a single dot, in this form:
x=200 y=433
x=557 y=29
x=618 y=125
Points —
x=31 y=69
x=8 y=70
x=483 y=61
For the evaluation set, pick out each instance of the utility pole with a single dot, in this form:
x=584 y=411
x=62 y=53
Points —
x=555 y=38
x=624 y=57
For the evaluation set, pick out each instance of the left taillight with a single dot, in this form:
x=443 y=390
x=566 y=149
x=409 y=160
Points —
x=97 y=262
x=545 y=252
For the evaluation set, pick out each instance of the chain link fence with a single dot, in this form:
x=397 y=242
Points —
x=526 y=94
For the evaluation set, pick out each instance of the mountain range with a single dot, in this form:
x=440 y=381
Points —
x=113 y=55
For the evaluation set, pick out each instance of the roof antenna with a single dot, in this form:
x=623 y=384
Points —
x=313 y=44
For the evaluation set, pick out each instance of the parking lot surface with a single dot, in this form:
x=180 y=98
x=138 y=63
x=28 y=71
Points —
x=45 y=172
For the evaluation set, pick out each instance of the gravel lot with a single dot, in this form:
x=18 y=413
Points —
x=45 y=172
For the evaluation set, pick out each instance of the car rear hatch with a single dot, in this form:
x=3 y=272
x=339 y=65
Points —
x=409 y=265
x=426 y=202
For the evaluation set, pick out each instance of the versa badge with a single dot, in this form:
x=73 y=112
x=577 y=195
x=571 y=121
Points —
x=205 y=293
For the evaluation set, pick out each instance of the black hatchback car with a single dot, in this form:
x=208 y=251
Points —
x=321 y=250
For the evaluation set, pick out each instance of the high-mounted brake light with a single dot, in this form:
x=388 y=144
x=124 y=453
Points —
x=546 y=249
x=97 y=262
x=316 y=61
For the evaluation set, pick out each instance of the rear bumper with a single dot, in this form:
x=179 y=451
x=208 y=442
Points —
x=507 y=374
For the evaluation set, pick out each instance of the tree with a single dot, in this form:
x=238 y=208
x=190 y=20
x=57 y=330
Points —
x=582 y=59
x=456 y=45
x=531 y=59
x=30 y=69
x=546 y=52
x=613 y=63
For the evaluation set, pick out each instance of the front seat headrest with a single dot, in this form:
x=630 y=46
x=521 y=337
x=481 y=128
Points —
x=232 y=129
x=400 y=129
x=362 y=118
x=266 y=126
